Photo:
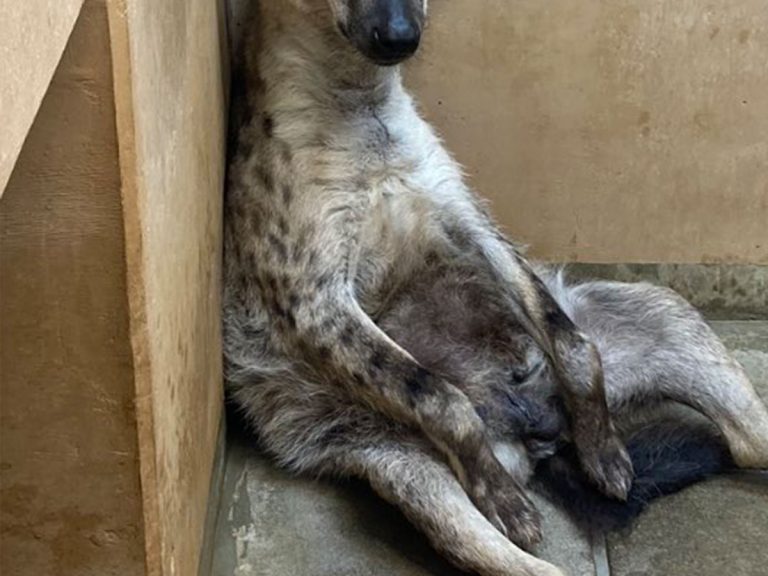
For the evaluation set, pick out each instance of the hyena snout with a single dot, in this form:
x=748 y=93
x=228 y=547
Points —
x=384 y=31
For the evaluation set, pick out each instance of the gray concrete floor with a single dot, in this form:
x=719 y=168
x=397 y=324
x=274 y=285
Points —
x=271 y=524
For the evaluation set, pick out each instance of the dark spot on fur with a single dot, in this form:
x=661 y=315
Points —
x=239 y=211
x=431 y=258
x=323 y=352
x=236 y=250
x=305 y=350
x=459 y=237
x=245 y=146
x=322 y=281
x=243 y=284
x=328 y=325
x=258 y=85
x=278 y=310
x=377 y=359
x=259 y=284
x=323 y=182
x=271 y=283
x=278 y=247
x=283 y=226
x=557 y=320
x=416 y=383
x=265 y=178
x=347 y=335
x=268 y=125
x=248 y=217
x=358 y=378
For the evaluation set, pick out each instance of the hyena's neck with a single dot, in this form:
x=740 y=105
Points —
x=312 y=83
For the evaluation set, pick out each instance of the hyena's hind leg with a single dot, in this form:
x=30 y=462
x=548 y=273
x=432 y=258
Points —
x=314 y=430
x=428 y=493
x=655 y=345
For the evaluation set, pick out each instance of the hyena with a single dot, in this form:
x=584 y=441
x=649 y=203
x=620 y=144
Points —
x=378 y=324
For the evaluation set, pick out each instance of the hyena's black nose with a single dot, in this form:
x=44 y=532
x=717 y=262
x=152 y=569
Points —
x=395 y=39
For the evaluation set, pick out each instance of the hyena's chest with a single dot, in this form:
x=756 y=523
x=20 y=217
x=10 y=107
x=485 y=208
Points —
x=395 y=235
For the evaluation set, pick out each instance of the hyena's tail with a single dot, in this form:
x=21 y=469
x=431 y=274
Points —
x=667 y=456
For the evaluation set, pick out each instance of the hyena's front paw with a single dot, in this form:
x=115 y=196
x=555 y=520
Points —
x=608 y=465
x=503 y=501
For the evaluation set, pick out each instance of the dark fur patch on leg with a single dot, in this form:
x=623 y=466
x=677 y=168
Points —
x=417 y=383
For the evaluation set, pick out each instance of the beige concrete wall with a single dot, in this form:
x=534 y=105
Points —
x=70 y=501
x=621 y=131
x=171 y=111
x=33 y=34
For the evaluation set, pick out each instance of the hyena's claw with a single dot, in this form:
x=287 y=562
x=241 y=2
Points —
x=610 y=468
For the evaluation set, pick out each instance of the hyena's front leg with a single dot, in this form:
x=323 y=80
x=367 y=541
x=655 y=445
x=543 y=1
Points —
x=345 y=345
x=574 y=359
x=579 y=373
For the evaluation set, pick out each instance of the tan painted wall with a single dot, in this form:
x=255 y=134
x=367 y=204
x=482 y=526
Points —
x=621 y=131
x=171 y=111
x=70 y=502
x=33 y=34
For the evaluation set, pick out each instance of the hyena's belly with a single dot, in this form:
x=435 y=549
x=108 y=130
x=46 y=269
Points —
x=455 y=323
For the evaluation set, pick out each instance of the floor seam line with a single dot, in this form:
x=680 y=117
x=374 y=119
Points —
x=600 y=554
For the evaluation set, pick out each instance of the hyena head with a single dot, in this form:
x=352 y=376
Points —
x=386 y=32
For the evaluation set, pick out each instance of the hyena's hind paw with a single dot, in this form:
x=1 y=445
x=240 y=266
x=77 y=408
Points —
x=669 y=452
x=609 y=467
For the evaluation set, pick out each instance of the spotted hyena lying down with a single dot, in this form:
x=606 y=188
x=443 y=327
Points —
x=378 y=324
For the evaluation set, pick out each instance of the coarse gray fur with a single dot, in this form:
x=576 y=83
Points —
x=378 y=324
